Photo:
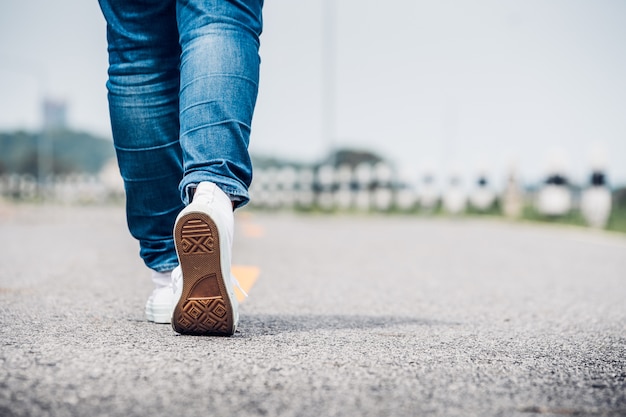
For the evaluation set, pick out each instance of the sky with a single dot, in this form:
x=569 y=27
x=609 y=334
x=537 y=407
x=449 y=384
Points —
x=448 y=85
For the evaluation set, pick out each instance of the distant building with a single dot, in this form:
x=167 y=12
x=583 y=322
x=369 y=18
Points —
x=54 y=114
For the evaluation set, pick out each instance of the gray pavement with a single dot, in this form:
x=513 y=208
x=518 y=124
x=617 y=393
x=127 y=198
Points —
x=351 y=316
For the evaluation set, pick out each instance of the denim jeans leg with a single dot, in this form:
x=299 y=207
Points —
x=143 y=89
x=219 y=75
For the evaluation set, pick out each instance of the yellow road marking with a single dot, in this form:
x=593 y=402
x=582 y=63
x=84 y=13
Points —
x=247 y=276
x=249 y=228
x=252 y=230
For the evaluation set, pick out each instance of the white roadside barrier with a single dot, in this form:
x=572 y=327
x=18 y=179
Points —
x=454 y=198
x=596 y=201
x=483 y=196
x=554 y=198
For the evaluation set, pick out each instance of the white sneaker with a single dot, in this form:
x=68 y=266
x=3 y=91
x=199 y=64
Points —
x=161 y=303
x=205 y=298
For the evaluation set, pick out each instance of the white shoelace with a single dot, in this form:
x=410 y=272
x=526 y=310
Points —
x=238 y=285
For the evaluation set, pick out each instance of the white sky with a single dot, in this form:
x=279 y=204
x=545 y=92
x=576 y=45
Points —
x=442 y=83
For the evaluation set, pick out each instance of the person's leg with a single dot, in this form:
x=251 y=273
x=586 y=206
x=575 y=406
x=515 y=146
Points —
x=143 y=85
x=219 y=76
x=219 y=83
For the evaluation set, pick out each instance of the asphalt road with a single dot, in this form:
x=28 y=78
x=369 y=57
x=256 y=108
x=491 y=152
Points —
x=350 y=316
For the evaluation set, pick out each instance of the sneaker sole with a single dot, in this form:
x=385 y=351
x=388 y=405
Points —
x=204 y=307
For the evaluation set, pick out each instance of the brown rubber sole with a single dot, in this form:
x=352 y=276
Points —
x=204 y=307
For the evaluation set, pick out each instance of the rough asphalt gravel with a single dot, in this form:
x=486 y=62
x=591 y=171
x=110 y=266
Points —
x=351 y=316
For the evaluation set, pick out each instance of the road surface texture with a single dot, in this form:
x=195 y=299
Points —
x=350 y=316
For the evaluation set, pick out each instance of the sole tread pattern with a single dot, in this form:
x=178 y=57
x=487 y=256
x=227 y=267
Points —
x=204 y=308
x=197 y=238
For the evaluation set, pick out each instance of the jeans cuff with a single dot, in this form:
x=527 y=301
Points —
x=237 y=194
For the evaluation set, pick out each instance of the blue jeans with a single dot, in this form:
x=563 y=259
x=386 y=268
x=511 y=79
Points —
x=183 y=82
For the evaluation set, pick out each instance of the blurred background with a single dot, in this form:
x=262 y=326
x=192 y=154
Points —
x=512 y=108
